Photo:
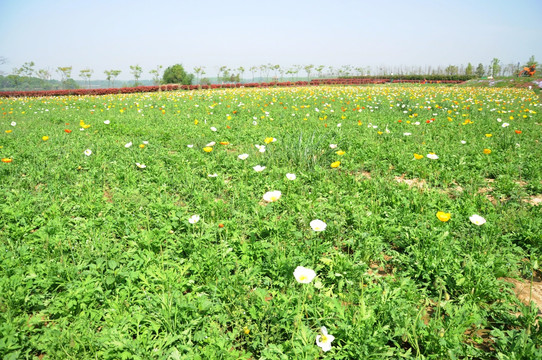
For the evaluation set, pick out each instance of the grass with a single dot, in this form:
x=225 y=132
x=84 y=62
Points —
x=98 y=258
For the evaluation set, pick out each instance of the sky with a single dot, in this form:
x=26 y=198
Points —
x=114 y=34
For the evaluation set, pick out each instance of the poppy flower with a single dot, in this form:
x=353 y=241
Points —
x=442 y=216
x=477 y=220
x=88 y=152
x=67 y=131
x=418 y=156
x=45 y=138
x=318 y=225
x=340 y=152
x=272 y=196
x=517 y=131
x=304 y=275
x=207 y=149
x=324 y=340
x=6 y=160
x=487 y=151
x=193 y=219
x=335 y=164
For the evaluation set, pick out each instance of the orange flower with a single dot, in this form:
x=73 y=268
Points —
x=67 y=131
x=7 y=160
x=518 y=131
x=335 y=164
x=487 y=151
x=224 y=143
x=442 y=216
x=8 y=131
x=221 y=225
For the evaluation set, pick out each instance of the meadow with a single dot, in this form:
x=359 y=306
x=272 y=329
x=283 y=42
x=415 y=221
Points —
x=281 y=223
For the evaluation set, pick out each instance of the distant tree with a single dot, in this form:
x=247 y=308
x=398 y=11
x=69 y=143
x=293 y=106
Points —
x=156 y=74
x=359 y=70
x=65 y=74
x=469 y=70
x=136 y=70
x=86 y=74
x=451 y=70
x=241 y=71
x=253 y=70
x=495 y=67
x=205 y=81
x=199 y=71
x=276 y=68
x=26 y=70
x=221 y=71
x=262 y=68
x=176 y=75
x=44 y=74
x=480 y=71
x=108 y=76
x=531 y=62
x=308 y=69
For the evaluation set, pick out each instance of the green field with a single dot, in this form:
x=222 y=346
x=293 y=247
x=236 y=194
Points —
x=101 y=256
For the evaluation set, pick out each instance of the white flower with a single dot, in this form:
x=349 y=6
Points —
x=259 y=168
x=212 y=175
x=407 y=134
x=463 y=142
x=82 y=129
x=243 y=156
x=212 y=143
x=190 y=146
x=88 y=152
x=333 y=146
x=193 y=219
x=477 y=220
x=145 y=142
x=213 y=128
x=324 y=340
x=271 y=196
x=254 y=123
x=505 y=124
x=432 y=156
x=417 y=123
x=318 y=225
x=13 y=123
x=107 y=122
x=304 y=275
x=499 y=120
x=291 y=176
x=141 y=166
x=128 y=145
x=261 y=148
x=339 y=125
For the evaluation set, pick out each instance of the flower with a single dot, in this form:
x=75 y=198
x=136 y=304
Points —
x=407 y=134
x=477 y=220
x=269 y=140
x=224 y=143
x=141 y=146
x=13 y=123
x=67 y=131
x=463 y=142
x=489 y=135
x=145 y=142
x=8 y=131
x=318 y=225
x=243 y=156
x=340 y=152
x=212 y=143
x=339 y=125
x=207 y=149
x=107 y=122
x=45 y=138
x=190 y=146
x=333 y=146
x=291 y=176
x=193 y=219
x=324 y=340
x=517 y=131
x=272 y=196
x=418 y=156
x=335 y=164
x=6 y=160
x=128 y=145
x=442 y=216
x=212 y=175
x=213 y=128
x=432 y=156
x=141 y=166
x=88 y=152
x=505 y=124
x=487 y=151
x=259 y=168
x=304 y=275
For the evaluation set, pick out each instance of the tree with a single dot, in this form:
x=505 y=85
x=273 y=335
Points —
x=156 y=74
x=26 y=70
x=44 y=74
x=112 y=75
x=480 y=71
x=221 y=70
x=451 y=70
x=531 y=62
x=176 y=75
x=308 y=69
x=86 y=74
x=253 y=70
x=241 y=72
x=495 y=67
x=136 y=70
x=469 y=70
x=65 y=73
x=199 y=71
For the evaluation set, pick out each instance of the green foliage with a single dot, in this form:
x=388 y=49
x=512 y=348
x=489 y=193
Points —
x=176 y=75
x=98 y=258
x=480 y=71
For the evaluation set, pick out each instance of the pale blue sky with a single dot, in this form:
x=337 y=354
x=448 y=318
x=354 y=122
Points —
x=115 y=34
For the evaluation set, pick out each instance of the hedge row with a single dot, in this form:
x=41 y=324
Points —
x=170 y=87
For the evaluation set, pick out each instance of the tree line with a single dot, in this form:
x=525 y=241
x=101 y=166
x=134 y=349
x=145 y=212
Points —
x=27 y=76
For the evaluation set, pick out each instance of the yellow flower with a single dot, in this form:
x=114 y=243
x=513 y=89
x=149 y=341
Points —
x=442 y=216
x=340 y=152
x=45 y=138
x=246 y=330
x=335 y=164
x=487 y=151
x=207 y=149
x=489 y=135
x=196 y=122
x=418 y=156
x=268 y=140
x=142 y=145
x=379 y=132
x=8 y=131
